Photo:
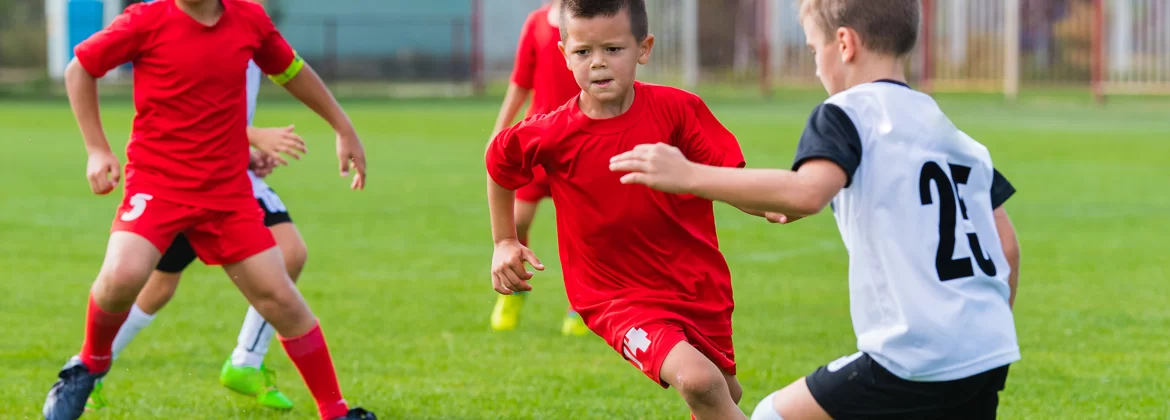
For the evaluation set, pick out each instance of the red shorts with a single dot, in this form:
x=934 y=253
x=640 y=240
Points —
x=218 y=237
x=537 y=189
x=646 y=345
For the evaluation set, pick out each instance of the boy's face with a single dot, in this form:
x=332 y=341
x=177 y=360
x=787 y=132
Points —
x=603 y=54
x=827 y=54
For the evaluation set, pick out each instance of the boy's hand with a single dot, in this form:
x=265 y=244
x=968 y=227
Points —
x=658 y=166
x=508 y=272
x=351 y=154
x=780 y=218
x=276 y=141
x=260 y=164
x=103 y=172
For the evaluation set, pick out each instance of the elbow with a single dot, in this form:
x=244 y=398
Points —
x=808 y=204
x=76 y=73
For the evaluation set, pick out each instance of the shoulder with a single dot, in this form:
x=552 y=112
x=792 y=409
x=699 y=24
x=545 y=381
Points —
x=142 y=15
x=536 y=16
x=247 y=7
x=671 y=100
x=668 y=94
x=548 y=126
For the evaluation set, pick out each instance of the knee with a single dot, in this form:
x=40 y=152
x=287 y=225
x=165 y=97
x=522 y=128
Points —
x=295 y=257
x=120 y=280
x=158 y=291
x=702 y=388
x=736 y=391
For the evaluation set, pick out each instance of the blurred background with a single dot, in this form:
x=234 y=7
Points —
x=463 y=47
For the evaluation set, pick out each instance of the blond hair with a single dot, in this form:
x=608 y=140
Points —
x=885 y=26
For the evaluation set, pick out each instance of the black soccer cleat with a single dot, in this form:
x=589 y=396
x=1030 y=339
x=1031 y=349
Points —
x=66 y=400
x=358 y=414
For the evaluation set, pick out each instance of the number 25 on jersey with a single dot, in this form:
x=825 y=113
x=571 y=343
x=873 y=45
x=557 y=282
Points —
x=950 y=207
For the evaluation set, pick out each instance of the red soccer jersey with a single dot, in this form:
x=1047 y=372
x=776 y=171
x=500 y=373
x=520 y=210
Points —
x=541 y=67
x=189 y=142
x=628 y=252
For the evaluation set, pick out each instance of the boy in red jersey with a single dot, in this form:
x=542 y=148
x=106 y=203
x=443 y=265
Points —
x=643 y=268
x=540 y=71
x=186 y=172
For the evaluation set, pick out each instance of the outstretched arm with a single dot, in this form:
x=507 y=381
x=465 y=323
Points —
x=303 y=83
x=792 y=193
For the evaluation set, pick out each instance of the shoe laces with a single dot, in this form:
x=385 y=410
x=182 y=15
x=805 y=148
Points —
x=269 y=378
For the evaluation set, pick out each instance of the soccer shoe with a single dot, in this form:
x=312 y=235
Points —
x=358 y=414
x=67 y=397
x=260 y=383
x=506 y=315
x=574 y=326
x=96 y=401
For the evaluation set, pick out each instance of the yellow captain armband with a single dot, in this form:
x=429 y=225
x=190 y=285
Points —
x=288 y=74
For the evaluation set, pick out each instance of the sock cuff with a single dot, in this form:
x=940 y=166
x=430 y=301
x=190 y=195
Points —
x=137 y=313
x=307 y=343
x=103 y=317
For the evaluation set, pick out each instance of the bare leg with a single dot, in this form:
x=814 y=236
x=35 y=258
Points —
x=702 y=385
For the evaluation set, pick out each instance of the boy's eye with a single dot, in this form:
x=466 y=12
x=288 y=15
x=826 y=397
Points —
x=581 y=52
x=613 y=49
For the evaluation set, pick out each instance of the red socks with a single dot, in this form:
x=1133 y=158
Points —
x=311 y=356
x=100 y=329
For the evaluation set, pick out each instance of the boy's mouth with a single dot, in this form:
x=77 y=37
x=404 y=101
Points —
x=602 y=82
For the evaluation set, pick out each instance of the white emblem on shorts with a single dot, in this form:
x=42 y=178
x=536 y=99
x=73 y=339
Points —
x=137 y=206
x=840 y=363
x=636 y=340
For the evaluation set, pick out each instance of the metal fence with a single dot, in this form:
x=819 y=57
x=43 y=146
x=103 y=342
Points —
x=1120 y=46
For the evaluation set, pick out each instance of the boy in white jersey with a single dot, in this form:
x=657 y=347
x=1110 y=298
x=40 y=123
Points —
x=933 y=257
x=244 y=371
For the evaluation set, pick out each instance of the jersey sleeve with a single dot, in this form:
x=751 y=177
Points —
x=705 y=140
x=1001 y=189
x=832 y=136
x=117 y=44
x=513 y=153
x=274 y=56
x=524 y=68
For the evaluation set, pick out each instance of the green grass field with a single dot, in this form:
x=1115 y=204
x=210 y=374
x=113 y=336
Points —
x=398 y=273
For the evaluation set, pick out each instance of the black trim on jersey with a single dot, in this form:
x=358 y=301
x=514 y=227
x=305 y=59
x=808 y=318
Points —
x=893 y=82
x=1001 y=189
x=831 y=135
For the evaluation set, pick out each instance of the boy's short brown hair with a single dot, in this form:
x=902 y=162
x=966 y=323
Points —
x=586 y=9
x=885 y=26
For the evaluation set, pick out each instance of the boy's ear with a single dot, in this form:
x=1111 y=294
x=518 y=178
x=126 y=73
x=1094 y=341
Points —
x=561 y=46
x=848 y=42
x=644 y=49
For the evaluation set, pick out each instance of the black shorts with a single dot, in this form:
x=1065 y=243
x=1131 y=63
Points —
x=180 y=254
x=863 y=389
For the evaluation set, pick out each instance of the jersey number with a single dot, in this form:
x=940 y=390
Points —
x=948 y=267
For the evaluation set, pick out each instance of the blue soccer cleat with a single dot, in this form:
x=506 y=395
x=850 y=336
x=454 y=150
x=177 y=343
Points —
x=67 y=397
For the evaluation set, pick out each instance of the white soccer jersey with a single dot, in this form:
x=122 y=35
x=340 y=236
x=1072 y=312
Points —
x=928 y=286
x=253 y=88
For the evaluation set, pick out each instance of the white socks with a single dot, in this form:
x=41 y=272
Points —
x=766 y=410
x=135 y=322
x=252 y=345
x=253 y=342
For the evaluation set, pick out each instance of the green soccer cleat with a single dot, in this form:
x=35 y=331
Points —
x=506 y=314
x=260 y=383
x=574 y=326
x=96 y=400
